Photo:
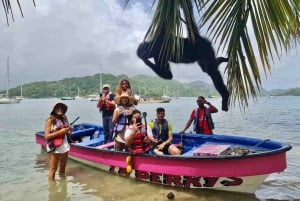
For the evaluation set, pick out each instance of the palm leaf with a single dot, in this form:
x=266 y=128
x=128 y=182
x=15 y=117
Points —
x=9 y=11
x=229 y=23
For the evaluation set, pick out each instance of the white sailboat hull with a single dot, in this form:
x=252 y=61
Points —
x=8 y=100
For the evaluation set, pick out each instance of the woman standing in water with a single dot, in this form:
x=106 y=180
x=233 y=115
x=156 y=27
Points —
x=57 y=132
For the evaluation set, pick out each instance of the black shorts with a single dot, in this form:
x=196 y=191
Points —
x=165 y=149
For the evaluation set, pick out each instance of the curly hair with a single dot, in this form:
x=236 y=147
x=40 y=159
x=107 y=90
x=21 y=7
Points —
x=119 y=89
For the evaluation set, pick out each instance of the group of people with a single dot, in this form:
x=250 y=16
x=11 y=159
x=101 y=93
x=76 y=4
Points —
x=122 y=123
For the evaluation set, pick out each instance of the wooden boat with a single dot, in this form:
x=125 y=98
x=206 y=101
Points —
x=220 y=162
x=6 y=100
x=155 y=100
x=67 y=98
x=93 y=97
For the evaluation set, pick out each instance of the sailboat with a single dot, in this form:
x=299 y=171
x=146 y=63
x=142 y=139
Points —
x=78 y=94
x=68 y=97
x=21 y=95
x=210 y=93
x=163 y=99
x=96 y=97
x=7 y=99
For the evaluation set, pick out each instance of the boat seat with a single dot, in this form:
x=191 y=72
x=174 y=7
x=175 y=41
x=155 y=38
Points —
x=189 y=153
x=208 y=149
x=90 y=142
x=86 y=132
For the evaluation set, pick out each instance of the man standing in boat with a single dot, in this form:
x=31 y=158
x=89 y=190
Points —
x=106 y=106
x=203 y=122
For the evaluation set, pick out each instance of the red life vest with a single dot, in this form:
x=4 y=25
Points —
x=105 y=104
x=57 y=141
x=139 y=146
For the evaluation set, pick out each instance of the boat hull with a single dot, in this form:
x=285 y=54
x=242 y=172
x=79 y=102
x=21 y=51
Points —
x=242 y=173
x=9 y=101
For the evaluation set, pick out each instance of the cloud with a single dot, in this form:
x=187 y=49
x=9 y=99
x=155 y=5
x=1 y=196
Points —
x=59 y=39
x=64 y=38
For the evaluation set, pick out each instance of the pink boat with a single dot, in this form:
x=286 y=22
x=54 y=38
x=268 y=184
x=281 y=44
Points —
x=220 y=162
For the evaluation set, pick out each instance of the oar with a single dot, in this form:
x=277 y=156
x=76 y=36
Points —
x=73 y=122
x=256 y=145
x=180 y=145
x=69 y=136
x=144 y=116
x=259 y=143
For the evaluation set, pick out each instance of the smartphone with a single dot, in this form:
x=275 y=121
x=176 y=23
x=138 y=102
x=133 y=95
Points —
x=139 y=121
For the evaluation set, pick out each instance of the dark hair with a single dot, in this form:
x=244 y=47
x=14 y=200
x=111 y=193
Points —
x=136 y=111
x=201 y=97
x=160 y=109
x=129 y=117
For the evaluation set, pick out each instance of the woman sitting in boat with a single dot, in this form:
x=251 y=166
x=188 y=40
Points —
x=136 y=139
x=125 y=87
x=57 y=129
x=121 y=117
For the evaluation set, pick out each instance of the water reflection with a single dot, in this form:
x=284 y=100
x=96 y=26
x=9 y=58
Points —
x=58 y=191
x=88 y=183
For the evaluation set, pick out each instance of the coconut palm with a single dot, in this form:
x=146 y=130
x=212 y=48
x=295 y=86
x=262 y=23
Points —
x=8 y=10
x=275 y=25
x=237 y=27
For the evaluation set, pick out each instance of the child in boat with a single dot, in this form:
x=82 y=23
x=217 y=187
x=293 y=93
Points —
x=121 y=117
x=57 y=129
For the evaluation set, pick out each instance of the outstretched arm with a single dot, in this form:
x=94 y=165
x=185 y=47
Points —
x=187 y=125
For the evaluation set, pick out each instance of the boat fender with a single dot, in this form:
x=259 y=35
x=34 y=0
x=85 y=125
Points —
x=129 y=165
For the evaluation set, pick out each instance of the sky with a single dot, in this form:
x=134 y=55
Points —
x=73 y=38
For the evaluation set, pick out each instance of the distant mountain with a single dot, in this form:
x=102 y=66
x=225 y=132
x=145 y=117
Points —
x=288 y=92
x=142 y=85
x=282 y=92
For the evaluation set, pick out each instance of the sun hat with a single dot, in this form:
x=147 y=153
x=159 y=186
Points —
x=105 y=86
x=64 y=107
x=124 y=95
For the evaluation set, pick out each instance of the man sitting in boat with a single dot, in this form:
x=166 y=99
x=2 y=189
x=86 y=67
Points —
x=121 y=117
x=203 y=123
x=136 y=138
x=161 y=133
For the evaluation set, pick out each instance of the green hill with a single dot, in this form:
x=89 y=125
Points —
x=141 y=84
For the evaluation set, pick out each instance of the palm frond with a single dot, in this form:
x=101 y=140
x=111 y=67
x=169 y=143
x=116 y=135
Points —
x=8 y=10
x=240 y=27
x=275 y=26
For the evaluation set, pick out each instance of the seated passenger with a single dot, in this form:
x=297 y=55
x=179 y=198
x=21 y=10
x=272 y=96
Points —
x=161 y=133
x=136 y=139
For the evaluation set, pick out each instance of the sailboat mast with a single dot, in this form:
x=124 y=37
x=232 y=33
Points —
x=100 y=87
x=7 y=79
